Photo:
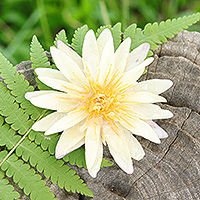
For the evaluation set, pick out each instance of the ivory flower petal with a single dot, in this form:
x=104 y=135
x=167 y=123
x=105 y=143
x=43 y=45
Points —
x=148 y=111
x=70 y=140
x=66 y=65
x=156 y=86
x=119 y=149
x=137 y=56
x=51 y=100
x=45 y=123
x=50 y=73
x=99 y=100
x=66 y=122
x=93 y=149
x=135 y=148
x=159 y=131
x=91 y=53
x=61 y=85
x=102 y=40
x=106 y=64
x=134 y=74
x=121 y=54
x=71 y=53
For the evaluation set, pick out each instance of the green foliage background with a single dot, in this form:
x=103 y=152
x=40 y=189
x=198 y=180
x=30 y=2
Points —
x=21 y=19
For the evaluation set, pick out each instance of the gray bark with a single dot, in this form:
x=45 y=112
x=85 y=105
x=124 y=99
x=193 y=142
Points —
x=170 y=170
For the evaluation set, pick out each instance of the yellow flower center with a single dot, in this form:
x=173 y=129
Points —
x=100 y=104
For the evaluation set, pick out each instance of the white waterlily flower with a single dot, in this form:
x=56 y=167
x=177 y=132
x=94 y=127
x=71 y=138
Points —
x=99 y=100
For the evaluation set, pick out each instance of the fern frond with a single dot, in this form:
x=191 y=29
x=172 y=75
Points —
x=44 y=162
x=38 y=56
x=19 y=121
x=61 y=36
x=77 y=40
x=106 y=163
x=158 y=33
x=46 y=142
x=116 y=33
x=26 y=178
x=7 y=136
x=77 y=157
x=52 y=168
x=6 y=190
x=10 y=109
x=18 y=86
x=130 y=31
x=39 y=59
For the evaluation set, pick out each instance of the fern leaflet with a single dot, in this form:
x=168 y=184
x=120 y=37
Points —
x=77 y=157
x=52 y=168
x=61 y=36
x=6 y=191
x=158 y=33
x=44 y=162
x=77 y=40
x=10 y=109
x=116 y=33
x=18 y=86
x=39 y=59
x=7 y=136
x=26 y=178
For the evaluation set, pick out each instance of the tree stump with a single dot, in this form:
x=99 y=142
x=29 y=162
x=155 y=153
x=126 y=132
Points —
x=170 y=170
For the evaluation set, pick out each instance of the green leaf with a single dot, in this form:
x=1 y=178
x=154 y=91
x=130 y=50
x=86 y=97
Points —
x=116 y=33
x=61 y=36
x=18 y=86
x=38 y=56
x=158 y=33
x=44 y=162
x=39 y=59
x=77 y=157
x=14 y=115
x=7 y=136
x=130 y=31
x=52 y=168
x=26 y=178
x=77 y=40
x=6 y=190
x=106 y=163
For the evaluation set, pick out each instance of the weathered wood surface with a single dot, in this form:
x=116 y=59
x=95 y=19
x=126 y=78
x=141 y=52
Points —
x=170 y=170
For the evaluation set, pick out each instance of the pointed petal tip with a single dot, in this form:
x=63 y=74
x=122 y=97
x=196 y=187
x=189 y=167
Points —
x=146 y=46
x=28 y=95
x=90 y=33
x=106 y=32
x=151 y=59
x=37 y=70
x=170 y=83
x=93 y=174
x=129 y=170
x=34 y=127
x=58 y=156
x=48 y=132
x=52 y=49
x=157 y=141
x=128 y=40
x=59 y=42
x=169 y=114
x=140 y=157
